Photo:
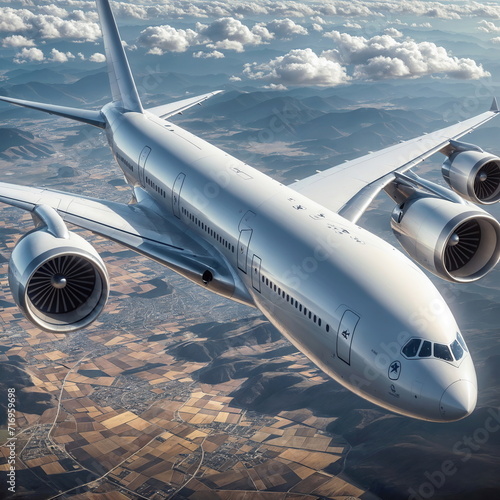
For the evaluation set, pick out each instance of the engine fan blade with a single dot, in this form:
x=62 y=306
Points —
x=487 y=181
x=62 y=284
x=462 y=245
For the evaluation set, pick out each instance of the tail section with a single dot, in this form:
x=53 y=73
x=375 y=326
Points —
x=121 y=80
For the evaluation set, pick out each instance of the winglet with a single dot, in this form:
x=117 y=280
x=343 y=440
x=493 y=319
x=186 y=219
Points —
x=494 y=106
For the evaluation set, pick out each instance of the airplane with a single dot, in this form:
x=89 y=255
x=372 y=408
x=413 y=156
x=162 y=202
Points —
x=358 y=308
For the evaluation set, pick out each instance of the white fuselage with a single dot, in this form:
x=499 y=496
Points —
x=341 y=295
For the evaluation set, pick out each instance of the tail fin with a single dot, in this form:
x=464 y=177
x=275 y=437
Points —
x=121 y=80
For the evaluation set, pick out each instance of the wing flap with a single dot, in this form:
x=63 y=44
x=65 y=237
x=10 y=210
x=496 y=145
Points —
x=349 y=188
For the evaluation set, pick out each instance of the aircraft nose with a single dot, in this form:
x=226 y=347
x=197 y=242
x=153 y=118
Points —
x=458 y=400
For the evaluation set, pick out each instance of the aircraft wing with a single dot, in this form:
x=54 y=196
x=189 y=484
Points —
x=173 y=108
x=349 y=188
x=135 y=226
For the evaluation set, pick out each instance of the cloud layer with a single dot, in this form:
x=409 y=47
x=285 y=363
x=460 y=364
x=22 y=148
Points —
x=225 y=33
x=222 y=28
x=385 y=56
x=50 y=22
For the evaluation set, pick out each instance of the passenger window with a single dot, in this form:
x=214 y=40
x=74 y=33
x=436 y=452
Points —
x=425 y=350
x=458 y=352
x=442 y=351
x=411 y=348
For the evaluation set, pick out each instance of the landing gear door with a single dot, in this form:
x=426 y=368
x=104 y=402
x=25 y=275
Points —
x=143 y=158
x=345 y=335
x=176 y=195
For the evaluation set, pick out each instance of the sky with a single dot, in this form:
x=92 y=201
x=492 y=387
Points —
x=277 y=44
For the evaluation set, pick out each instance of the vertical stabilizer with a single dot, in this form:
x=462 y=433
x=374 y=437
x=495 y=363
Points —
x=120 y=77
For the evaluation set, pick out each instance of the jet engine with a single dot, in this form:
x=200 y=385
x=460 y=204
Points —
x=474 y=175
x=456 y=242
x=57 y=279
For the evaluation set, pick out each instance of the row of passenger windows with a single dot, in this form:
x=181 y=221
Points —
x=154 y=186
x=295 y=303
x=418 y=348
x=216 y=236
x=125 y=162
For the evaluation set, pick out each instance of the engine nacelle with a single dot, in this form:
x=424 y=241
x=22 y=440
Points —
x=59 y=283
x=453 y=241
x=474 y=175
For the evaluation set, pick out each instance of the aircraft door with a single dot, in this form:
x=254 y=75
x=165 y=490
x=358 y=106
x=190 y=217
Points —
x=243 y=243
x=244 y=240
x=176 y=195
x=143 y=158
x=256 y=265
x=345 y=335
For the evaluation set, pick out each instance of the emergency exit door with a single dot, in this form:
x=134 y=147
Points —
x=345 y=334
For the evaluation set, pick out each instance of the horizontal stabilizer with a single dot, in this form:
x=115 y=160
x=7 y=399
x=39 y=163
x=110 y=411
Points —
x=82 y=115
x=174 y=108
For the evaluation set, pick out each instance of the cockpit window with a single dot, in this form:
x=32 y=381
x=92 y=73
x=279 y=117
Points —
x=425 y=350
x=419 y=348
x=458 y=352
x=442 y=351
x=411 y=348
x=462 y=342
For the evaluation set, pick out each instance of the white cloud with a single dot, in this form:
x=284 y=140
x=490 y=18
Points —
x=97 y=58
x=54 y=27
x=227 y=45
x=285 y=28
x=29 y=55
x=233 y=30
x=61 y=57
x=395 y=33
x=353 y=26
x=298 y=67
x=488 y=26
x=317 y=27
x=318 y=19
x=275 y=86
x=161 y=39
x=13 y=19
x=382 y=57
x=53 y=10
x=215 y=54
x=234 y=78
x=226 y=33
x=53 y=22
x=17 y=41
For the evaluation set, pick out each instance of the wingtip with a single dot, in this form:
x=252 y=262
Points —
x=494 y=106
